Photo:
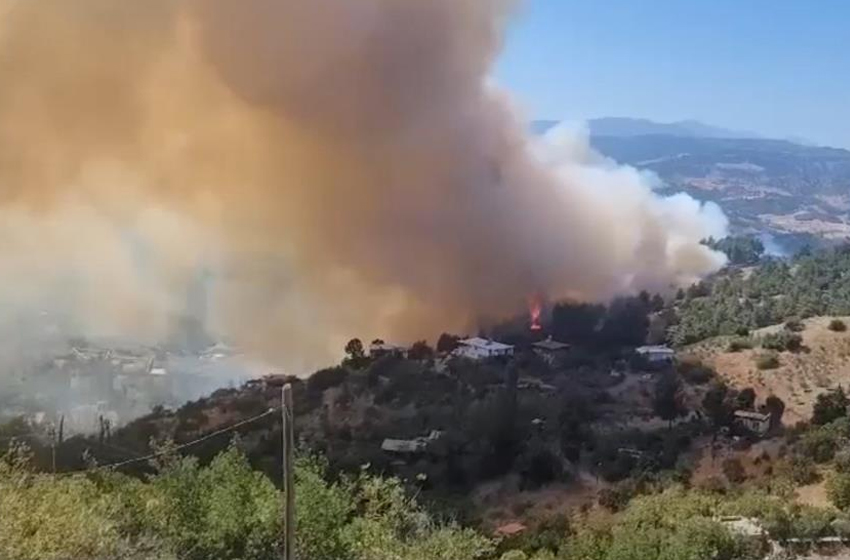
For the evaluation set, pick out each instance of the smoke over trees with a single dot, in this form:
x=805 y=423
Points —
x=341 y=167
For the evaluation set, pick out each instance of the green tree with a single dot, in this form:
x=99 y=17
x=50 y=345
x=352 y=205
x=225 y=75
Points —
x=355 y=354
x=838 y=490
x=774 y=406
x=420 y=351
x=829 y=406
x=716 y=406
x=667 y=401
x=447 y=342
x=746 y=399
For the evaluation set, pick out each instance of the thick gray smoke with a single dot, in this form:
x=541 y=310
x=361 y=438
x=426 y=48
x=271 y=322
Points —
x=344 y=167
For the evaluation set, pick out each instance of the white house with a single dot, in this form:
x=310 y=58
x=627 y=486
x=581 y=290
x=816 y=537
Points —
x=755 y=422
x=481 y=348
x=656 y=354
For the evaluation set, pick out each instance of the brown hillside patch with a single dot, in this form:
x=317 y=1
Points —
x=823 y=364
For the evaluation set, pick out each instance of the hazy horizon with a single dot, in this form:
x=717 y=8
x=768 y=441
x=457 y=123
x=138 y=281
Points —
x=773 y=68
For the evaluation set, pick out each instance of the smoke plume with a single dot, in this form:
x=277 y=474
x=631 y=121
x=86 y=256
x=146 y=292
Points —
x=344 y=167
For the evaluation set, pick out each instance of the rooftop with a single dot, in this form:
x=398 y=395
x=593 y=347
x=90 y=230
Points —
x=403 y=445
x=483 y=343
x=751 y=415
x=550 y=345
x=654 y=350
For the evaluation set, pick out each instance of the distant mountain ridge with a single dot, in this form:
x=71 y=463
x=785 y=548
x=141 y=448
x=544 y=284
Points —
x=789 y=190
x=625 y=126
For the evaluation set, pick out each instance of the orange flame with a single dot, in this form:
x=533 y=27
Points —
x=535 y=308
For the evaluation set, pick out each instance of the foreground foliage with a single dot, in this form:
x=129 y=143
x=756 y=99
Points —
x=225 y=511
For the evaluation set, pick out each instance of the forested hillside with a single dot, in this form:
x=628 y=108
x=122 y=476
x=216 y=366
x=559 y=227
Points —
x=745 y=298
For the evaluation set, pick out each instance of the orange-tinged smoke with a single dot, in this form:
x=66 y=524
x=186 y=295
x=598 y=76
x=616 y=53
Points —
x=345 y=168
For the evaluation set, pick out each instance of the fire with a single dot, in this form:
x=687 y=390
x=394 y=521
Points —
x=535 y=307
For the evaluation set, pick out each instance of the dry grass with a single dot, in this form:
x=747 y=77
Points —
x=823 y=364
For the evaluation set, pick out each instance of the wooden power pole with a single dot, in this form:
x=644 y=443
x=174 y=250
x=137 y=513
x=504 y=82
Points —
x=288 y=473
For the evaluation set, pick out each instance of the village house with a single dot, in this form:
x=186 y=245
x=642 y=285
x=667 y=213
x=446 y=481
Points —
x=656 y=354
x=481 y=348
x=379 y=348
x=550 y=350
x=410 y=446
x=755 y=422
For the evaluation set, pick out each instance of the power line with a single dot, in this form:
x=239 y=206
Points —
x=178 y=447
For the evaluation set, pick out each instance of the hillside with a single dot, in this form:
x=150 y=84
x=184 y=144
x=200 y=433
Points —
x=823 y=363
x=797 y=193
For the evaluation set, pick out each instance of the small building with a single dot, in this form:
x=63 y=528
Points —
x=410 y=446
x=380 y=348
x=476 y=348
x=404 y=446
x=550 y=350
x=656 y=354
x=755 y=422
x=534 y=384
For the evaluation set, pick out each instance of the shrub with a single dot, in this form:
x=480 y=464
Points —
x=225 y=511
x=794 y=324
x=695 y=372
x=842 y=461
x=800 y=469
x=837 y=325
x=829 y=406
x=782 y=341
x=539 y=465
x=326 y=379
x=767 y=360
x=740 y=343
x=818 y=444
x=734 y=471
x=617 y=496
x=838 y=490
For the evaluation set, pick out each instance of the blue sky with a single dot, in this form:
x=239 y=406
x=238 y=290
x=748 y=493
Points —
x=780 y=68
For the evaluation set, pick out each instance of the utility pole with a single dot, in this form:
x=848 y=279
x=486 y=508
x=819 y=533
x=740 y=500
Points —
x=288 y=473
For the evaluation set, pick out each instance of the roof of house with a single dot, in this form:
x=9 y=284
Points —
x=484 y=344
x=510 y=529
x=550 y=345
x=403 y=445
x=750 y=415
x=654 y=350
x=384 y=347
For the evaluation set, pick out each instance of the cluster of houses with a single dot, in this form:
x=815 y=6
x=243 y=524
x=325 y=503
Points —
x=477 y=348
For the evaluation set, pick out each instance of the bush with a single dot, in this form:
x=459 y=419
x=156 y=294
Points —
x=225 y=511
x=838 y=490
x=801 y=470
x=830 y=406
x=539 y=465
x=327 y=378
x=740 y=343
x=617 y=497
x=734 y=471
x=818 y=444
x=782 y=341
x=767 y=360
x=837 y=325
x=695 y=372
x=794 y=324
x=842 y=461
